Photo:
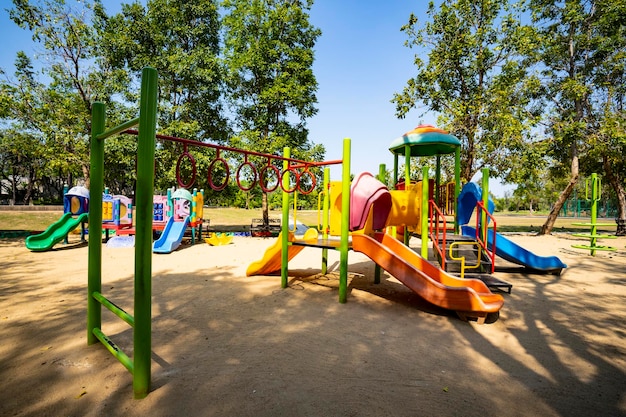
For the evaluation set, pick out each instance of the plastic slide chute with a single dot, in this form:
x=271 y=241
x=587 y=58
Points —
x=468 y=197
x=512 y=252
x=470 y=298
x=367 y=193
x=272 y=258
x=172 y=236
x=55 y=232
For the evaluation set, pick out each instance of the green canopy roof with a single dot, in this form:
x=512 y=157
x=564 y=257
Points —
x=425 y=142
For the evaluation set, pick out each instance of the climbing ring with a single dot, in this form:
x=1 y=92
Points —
x=254 y=175
x=210 y=175
x=313 y=181
x=263 y=183
x=289 y=171
x=179 y=180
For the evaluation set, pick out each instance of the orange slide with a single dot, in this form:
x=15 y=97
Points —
x=272 y=259
x=468 y=297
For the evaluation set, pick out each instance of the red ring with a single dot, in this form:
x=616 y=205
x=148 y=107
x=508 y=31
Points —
x=313 y=182
x=262 y=174
x=210 y=177
x=291 y=190
x=251 y=165
x=193 y=170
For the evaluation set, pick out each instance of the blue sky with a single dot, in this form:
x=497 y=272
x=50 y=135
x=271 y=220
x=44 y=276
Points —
x=360 y=62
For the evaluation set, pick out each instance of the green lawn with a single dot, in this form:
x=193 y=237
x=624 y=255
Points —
x=32 y=221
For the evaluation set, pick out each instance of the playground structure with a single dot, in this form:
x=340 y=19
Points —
x=373 y=208
x=184 y=209
x=75 y=209
x=593 y=235
x=117 y=214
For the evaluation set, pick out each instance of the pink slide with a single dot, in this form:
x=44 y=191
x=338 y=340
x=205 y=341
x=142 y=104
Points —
x=364 y=192
x=470 y=298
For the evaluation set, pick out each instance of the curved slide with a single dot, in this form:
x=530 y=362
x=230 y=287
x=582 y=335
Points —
x=272 y=259
x=171 y=237
x=55 y=232
x=512 y=252
x=468 y=297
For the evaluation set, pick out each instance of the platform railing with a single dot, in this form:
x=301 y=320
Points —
x=437 y=225
x=482 y=230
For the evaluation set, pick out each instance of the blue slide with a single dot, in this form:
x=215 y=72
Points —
x=505 y=248
x=512 y=252
x=171 y=237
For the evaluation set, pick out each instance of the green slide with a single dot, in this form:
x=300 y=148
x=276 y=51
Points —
x=55 y=233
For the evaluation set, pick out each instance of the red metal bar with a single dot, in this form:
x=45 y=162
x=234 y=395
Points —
x=435 y=215
x=299 y=163
x=482 y=240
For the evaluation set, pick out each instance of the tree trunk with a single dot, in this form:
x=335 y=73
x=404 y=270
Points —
x=546 y=228
x=616 y=183
x=86 y=176
x=13 y=186
x=265 y=210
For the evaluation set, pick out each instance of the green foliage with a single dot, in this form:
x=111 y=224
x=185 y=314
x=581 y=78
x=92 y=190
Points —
x=268 y=54
x=476 y=77
x=181 y=40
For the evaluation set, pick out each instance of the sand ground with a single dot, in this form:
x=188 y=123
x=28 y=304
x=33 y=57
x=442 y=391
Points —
x=224 y=344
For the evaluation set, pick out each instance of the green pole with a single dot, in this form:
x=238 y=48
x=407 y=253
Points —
x=594 y=210
x=395 y=169
x=345 y=222
x=143 y=234
x=94 y=268
x=437 y=178
x=382 y=176
x=284 y=265
x=407 y=183
x=485 y=197
x=325 y=214
x=424 y=212
x=457 y=186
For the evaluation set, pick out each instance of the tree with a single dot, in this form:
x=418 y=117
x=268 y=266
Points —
x=608 y=141
x=181 y=40
x=571 y=53
x=268 y=53
x=58 y=114
x=476 y=77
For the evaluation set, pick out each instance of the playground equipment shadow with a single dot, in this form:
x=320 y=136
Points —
x=227 y=344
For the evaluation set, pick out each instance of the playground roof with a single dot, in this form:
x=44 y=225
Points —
x=78 y=191
x=425 y=140
x=182 y=193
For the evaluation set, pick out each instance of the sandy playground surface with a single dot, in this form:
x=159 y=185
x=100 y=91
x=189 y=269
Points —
x=224 y=344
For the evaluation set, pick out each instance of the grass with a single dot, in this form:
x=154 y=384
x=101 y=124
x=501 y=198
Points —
x=36 y=221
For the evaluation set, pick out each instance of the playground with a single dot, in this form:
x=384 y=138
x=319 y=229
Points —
x=425 y=323
x=227 y=344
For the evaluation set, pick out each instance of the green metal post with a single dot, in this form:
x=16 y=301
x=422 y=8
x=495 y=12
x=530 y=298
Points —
x=457 y=186
x=485 y=197
x=395 y=169
x=345 y=222
x=424 y=213
x=94 y=268
x=143 y=236
x=325 y=213
x=437 y=178
x=407 y=184
x=594 y=211
x=382 y=176
x=284 y=265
